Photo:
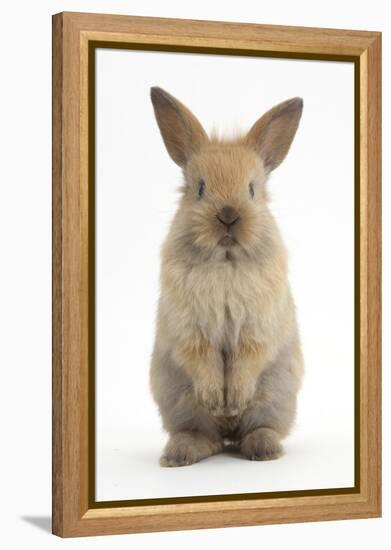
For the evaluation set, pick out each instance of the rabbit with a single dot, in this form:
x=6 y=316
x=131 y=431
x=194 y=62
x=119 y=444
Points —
x=226 y=364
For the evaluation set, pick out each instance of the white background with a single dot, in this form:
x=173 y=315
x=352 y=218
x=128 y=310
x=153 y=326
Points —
x=25 y=292
x=312 y=196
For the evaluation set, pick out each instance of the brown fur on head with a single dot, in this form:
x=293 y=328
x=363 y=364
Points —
x=224 y=202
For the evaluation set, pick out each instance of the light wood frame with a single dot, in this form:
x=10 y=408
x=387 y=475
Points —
x=75 y=512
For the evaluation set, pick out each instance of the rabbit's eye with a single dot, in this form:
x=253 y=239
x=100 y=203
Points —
x=201 y=188
x=251 y=189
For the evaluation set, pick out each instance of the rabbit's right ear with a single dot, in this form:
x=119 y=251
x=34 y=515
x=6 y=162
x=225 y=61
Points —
x=181 y=131
x=272 y=135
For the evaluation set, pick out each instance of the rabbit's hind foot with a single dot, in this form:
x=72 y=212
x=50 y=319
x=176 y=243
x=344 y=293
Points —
x=185 y=448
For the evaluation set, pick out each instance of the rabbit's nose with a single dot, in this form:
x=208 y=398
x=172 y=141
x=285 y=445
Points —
x=228 y=215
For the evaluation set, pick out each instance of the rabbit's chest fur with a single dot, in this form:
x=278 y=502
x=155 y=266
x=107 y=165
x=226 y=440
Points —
x=219 y=300
x=224 y=297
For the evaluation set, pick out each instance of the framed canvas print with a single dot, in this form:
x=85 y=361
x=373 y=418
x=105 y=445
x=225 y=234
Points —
x=216 y=274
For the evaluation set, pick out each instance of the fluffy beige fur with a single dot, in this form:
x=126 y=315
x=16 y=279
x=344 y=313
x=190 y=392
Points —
x=227 y=363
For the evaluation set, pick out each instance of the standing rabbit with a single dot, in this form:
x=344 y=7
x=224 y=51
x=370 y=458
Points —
x=227 y=363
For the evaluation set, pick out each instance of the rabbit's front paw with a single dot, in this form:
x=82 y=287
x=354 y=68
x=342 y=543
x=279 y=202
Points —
x=239 y=394
x=210 y=394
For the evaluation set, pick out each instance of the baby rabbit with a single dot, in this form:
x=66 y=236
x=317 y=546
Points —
x=227 y=363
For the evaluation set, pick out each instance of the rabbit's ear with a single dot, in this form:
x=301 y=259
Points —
x=273 y=133
x=181 y=131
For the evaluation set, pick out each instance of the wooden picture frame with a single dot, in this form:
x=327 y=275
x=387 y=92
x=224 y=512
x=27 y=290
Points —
x=75 y=37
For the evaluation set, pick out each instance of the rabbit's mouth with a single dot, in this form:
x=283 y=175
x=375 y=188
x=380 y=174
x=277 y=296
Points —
x=228 y=240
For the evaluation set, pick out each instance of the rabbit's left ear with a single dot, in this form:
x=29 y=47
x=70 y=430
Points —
x=271 y=136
